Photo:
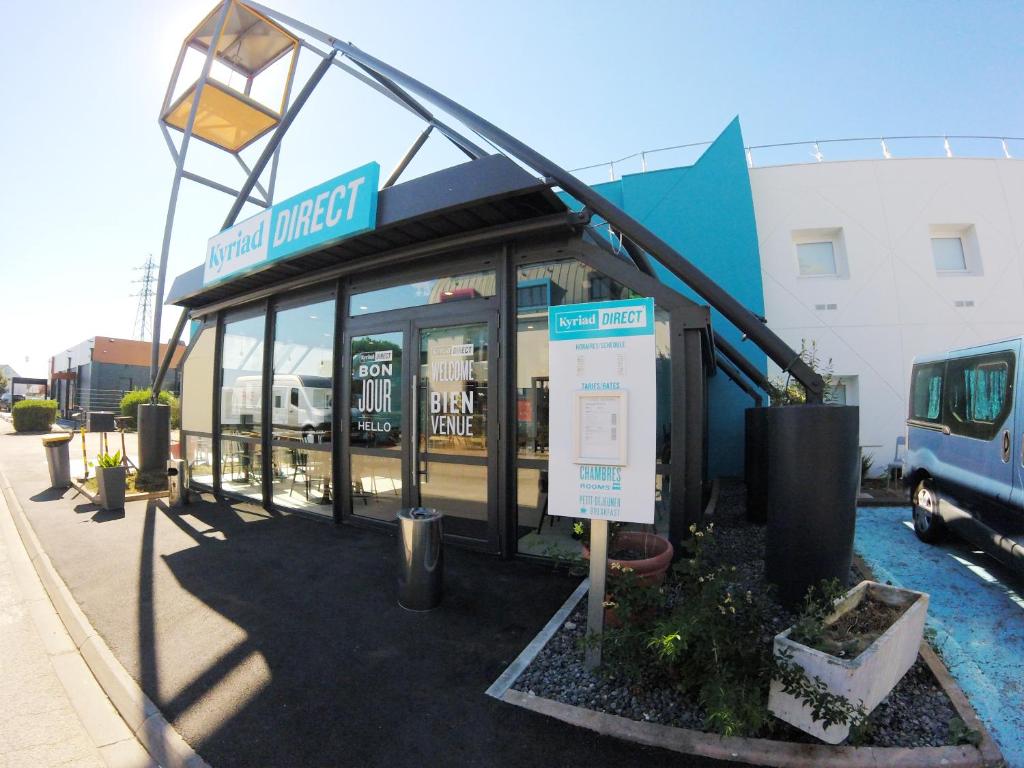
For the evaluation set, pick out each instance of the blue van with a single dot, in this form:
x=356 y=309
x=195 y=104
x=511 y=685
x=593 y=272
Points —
x=965 y=448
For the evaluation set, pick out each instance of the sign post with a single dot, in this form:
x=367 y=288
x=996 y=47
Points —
x=602 y=406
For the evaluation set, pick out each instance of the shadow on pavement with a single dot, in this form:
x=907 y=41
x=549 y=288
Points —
x=329 y=670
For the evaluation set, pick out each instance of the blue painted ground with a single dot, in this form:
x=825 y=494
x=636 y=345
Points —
x=976 y=610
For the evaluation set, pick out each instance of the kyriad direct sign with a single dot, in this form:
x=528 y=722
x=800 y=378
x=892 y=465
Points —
x=316 y=218
x=602 y=417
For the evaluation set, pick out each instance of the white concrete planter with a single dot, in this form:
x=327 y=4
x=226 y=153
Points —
x=111 y=484
x=870 y=676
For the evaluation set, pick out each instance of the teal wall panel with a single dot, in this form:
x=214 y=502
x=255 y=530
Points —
x=706 y=212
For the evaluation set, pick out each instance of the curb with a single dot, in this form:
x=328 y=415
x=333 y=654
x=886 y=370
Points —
x=765 y=752
x=143 y=718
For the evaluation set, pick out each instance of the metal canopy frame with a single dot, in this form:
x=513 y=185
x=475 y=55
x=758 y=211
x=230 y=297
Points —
x=642 y=245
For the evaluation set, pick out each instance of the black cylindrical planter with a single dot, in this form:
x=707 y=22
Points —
x=755 y=464
x=812 y=495
x=154 y=437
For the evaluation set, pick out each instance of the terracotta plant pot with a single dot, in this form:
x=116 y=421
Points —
x=650 y=571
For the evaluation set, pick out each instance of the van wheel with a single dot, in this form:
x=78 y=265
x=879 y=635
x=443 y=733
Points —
x=928 y=525
x=308 y=434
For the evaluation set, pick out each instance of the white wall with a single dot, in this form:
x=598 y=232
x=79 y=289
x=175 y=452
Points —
x=892 y=305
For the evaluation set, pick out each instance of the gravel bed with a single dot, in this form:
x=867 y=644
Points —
x=915 y=714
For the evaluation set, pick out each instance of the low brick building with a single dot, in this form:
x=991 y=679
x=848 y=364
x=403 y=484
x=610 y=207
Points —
x=95 y=374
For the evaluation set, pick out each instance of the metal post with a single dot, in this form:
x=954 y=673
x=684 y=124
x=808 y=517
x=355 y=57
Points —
x=176 y=185
x=595 y=600
x=408 y=156
x=275 y=140
x=172 y=345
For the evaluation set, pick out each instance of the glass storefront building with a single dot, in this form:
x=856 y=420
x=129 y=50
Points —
x=408 y=366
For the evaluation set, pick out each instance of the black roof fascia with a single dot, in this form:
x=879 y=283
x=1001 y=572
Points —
x=461 y=192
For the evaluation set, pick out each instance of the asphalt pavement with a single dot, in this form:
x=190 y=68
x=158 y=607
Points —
x=276 y=640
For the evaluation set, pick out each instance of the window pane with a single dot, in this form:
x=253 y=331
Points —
x=439 y=290
x=199 y=455
x=979 y=394
x=816 y=258
x=926 y=397
x=242 y=377
x=539 y=286
x=302 y=406
x=241 y=467
x=301 y=399
x=949 y=254
x=197 y=384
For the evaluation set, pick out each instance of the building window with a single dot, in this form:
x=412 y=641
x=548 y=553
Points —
x=303 y=405
x=820 y=252
x=948 y=253
x=842 y=391
x=533 y=294
x=601 y=288
x=816 y=259
x=955 y=249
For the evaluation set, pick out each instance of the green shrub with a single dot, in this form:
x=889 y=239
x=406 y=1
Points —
x=132 y=400
x=34 y=415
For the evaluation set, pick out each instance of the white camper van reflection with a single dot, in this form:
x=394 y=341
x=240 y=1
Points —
x=301 y=406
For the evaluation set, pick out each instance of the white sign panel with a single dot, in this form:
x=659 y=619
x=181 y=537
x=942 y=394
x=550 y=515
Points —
x=602 y=414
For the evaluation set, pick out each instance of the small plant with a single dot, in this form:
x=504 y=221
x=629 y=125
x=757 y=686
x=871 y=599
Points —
x=790 y=392
x=131 y=401
x=107 y=461
x=961 y=733
x=866 y=462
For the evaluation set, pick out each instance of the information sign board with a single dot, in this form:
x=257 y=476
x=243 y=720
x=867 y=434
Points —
x=602 y=416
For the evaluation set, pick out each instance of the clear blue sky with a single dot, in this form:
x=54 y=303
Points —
x=86 y=174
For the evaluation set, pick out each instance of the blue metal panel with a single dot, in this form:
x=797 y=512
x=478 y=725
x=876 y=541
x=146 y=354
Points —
x=706 y=212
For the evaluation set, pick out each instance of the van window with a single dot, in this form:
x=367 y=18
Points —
x=926 y=392
x=295 y=397
x=979 y=394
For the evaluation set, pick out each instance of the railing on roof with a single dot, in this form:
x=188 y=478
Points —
x=795 y=152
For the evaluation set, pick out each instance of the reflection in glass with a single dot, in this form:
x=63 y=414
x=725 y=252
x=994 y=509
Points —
x=539 y=532
x=375 y=409
x=376 y=486
x=301 y=394
x=460 y=491
x=241 y=468
x=440 y=290
x=453 y=377
x=242 y=377
x=539 y=286
x=302 y=478
x=199 y=455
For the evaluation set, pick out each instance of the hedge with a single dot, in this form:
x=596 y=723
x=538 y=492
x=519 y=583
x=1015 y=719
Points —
x=132 y=400
x=34 y=415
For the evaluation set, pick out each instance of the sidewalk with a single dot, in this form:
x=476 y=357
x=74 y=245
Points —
x=54 y=712
x=274 y=640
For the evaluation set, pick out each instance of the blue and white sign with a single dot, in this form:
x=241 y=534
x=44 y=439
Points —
x=602 y=410
x=319 y=217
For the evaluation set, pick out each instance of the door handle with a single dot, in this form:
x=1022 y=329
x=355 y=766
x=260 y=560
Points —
x=1006 y=446
x=414 y=434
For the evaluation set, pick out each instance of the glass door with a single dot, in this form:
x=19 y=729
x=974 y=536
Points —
x=422 y=424
x=454 y=440
x=376 y=468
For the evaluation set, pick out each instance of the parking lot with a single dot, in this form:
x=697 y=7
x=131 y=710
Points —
x=976 y=613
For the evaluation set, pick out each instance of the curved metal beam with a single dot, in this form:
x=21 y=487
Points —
x=741 y=317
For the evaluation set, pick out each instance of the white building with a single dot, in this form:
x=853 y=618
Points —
x=878 y=261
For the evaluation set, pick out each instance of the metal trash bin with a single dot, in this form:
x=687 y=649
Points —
x=177 y=483
x=420 y=558
x=58 y=460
